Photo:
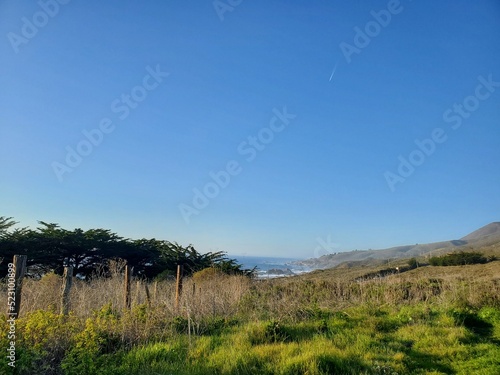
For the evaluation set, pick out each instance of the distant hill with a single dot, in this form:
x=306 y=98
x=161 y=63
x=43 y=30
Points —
x=484 y=236
x=491 y=230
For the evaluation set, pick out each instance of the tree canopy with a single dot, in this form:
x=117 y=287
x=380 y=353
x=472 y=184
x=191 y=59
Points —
x=50 y=247
x=461 y=258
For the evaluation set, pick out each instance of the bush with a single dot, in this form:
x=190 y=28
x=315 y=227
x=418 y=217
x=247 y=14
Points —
x=91 y=346
x=205 y=274
x=458 y=259
x=41 y=340
x=413 y=263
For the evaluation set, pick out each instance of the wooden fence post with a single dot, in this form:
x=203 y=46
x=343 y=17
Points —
x=148 y=297
x=178 y=286
x=19 y=266
x=126 y=294
x=67 y=282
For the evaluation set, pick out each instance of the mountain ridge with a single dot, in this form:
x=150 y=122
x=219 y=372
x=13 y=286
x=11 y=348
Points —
x=492 y=229
x=486 y=235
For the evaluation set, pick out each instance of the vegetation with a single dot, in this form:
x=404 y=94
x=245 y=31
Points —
x=399 y=317
x=412 y=263
x=414 y=339
x=459 y=259
x=49 y=248
x=407 y=323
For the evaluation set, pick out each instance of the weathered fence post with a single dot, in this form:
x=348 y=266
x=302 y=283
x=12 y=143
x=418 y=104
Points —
x=126 y=292
x=66 y=287
x=19 y=268
x=148 y=297
x=178 y=286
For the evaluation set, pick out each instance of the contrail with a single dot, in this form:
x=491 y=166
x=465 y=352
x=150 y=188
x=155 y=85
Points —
x=333 y=71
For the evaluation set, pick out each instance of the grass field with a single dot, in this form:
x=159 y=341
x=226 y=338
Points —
x=430 y=320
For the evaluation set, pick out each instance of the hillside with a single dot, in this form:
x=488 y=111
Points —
x=485 y=236
x=368 y=317
x=490 y=231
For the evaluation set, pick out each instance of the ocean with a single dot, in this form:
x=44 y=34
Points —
x=269 y=267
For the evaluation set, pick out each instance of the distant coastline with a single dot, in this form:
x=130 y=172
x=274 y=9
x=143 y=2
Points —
x=270 y=267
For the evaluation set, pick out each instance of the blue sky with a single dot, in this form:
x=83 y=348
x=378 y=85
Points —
x=200 y=81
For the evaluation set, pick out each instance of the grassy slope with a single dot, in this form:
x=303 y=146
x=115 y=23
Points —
x=477 y=271
x=414 y=339
x=353 y=270
x=430 y=320
x=488 y=236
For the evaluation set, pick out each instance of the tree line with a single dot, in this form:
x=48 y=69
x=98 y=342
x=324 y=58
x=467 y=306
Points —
x=49 y=248
x=461 y=258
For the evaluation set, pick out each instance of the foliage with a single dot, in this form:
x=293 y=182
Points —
x=208 y=273
x=5 y=224
x=412 y=263
x=50 y=247
x=410 y=339
x=42 y=338
x=458 y=259
x=90 y=347
x=235 y=325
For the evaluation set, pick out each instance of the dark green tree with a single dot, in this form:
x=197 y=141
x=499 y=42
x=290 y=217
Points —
x=50 y=247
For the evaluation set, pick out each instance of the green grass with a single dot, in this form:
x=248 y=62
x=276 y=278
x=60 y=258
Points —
x=409 y=339
x=430 y=320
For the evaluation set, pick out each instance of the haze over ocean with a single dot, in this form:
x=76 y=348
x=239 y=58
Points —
x=270 y=266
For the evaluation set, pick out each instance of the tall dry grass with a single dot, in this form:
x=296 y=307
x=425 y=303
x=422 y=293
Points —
x=215 y=301
x=228 y=297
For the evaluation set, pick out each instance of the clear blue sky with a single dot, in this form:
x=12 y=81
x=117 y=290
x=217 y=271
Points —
x=322 y=174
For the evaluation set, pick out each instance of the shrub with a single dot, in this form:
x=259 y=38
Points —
x=413 y=263
x=90 y=347
x=458 y=259
x=207 y=274
x=44 y=337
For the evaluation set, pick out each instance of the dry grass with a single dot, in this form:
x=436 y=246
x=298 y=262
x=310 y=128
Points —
x=217 y=296
x=288 y=298
x=210 y=304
